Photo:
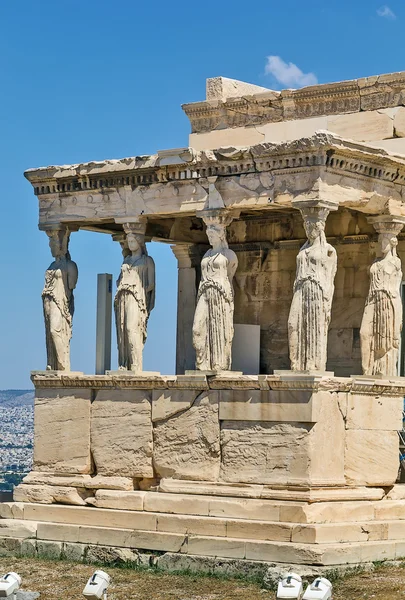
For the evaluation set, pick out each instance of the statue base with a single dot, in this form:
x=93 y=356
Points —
x=54 y=373
x=298 y=469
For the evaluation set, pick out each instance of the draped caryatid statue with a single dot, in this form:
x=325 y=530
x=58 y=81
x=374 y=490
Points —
x=135 y=298
x=58 y=303
x=381 y=326
x=310 y=310
x=213 y=319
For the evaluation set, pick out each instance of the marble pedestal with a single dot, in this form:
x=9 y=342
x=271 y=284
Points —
x=298 y=470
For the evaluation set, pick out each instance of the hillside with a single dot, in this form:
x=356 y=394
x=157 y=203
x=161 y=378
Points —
x=10 y=398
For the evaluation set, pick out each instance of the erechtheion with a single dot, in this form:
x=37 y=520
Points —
x=285 y=214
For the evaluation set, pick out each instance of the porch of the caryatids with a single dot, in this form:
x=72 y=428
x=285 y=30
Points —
x=380 y=331
x=58 y=300
x=310 y=311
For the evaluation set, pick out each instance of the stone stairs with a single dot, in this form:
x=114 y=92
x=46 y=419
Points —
x=283 y=531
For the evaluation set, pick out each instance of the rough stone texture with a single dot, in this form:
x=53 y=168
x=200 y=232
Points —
x=166 y=403
x=29 y=548
x=382 y=413
x=80 y=481
x=121 y=433
x=267 y=405
x=371 y=457
x=11 y=510
x=264 y=452
x=16 y=528
x=220 y=88
x=397 y=492
x=399 y=122
x=366 y=126
x=186 y=445
x=62 y=431
x=121 y=500
x=49 y=549
x=113 y=556
x=51 y=494
x=288 y=453
x=10 y=546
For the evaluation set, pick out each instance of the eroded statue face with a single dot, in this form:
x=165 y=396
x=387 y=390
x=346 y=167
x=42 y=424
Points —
x=55 y=246
x=387 y=243
x=313 y=229
x=133 y=242
x=214 y=235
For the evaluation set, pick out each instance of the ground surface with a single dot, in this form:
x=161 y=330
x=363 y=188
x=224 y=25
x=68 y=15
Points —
x=63 y=580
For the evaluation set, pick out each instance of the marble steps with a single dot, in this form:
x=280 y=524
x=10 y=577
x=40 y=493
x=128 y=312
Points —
x=81 y=536
x=342 y=530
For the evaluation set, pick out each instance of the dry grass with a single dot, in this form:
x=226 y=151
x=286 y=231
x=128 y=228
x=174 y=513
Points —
x=61 y=580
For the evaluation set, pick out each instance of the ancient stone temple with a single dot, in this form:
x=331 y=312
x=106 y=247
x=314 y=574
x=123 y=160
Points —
x=285 y=214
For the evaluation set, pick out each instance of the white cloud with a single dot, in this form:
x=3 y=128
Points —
x=386 y=12
x=288 y=73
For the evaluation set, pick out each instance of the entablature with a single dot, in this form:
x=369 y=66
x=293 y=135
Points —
x=263 y=177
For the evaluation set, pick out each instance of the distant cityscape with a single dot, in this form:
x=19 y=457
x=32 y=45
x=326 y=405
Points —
x=16 y=435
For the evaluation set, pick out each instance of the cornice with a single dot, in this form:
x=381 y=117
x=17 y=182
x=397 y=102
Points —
x=293 y=381
x=371 y=93
x=323 y=149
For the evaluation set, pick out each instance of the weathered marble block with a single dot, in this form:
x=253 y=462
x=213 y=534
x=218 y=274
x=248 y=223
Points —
x=371 y=457
x=62 y=431
x=186 y=444
x=286 y=453
x=121 y=433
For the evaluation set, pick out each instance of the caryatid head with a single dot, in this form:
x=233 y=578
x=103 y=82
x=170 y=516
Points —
x=388 y=228
x=58 y=242
x=314 y=222
x=135 y=236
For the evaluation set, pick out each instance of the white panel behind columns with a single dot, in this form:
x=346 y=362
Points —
x=103 y=335
x=246 y=349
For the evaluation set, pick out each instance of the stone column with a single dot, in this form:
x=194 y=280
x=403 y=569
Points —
x=310 y=312
x=380 y=332
x=57 y=297
x=188 y=262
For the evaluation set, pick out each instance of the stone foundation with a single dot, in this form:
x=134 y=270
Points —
x=292 y=469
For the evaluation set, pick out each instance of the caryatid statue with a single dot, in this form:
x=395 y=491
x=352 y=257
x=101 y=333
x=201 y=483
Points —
x=58 y=302
x=213 y=320
x=310 y=310
x=381 y=326
x=135 y=298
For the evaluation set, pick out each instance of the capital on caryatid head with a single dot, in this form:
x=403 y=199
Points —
x=314 y=210
x=216 y=221
x=58 y=234
x=121 y=238
x=387 y=224
x=217 y=216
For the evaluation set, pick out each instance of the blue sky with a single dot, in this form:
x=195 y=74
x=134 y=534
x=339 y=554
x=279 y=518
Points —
x=93 y=79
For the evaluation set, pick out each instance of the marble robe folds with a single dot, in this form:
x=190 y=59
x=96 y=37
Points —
x=213 y=321
x=309 y=318
x=382 y=319
x=133 y=302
